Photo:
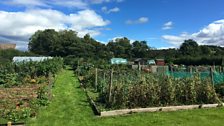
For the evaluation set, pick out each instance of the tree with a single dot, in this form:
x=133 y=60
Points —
x=140 y=49
x=120 y=47
x=42 y=42
x=69 y=43
x=190 y=47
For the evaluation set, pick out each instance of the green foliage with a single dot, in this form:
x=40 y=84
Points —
x=219 y=88
x=121 y=47
x=190 y=47
x=18 y=75
x=67 y=44
x=133 y=89
x=42 y=96
x=12 y=74
x=15 y=115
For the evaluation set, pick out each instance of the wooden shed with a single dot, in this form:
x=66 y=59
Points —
x=140 y=61
x=160 y=62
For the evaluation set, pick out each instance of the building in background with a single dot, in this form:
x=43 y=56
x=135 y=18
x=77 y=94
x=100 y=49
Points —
x=18 y=59
x=160 y=62
x=118 y=61
x=4 y=46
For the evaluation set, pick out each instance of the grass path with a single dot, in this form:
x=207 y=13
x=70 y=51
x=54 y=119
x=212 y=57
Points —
x=69 y=107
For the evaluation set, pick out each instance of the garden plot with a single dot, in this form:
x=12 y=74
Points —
x=25 y=87
x=122 y=89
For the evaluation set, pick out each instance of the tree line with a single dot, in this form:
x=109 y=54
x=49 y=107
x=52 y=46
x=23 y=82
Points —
x=67 y=43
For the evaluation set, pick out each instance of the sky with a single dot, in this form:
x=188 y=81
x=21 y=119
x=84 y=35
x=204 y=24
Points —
x=162 y=23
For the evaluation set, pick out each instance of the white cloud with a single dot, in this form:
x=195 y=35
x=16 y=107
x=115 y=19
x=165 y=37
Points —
x=170 y=47
x=104 y=1
x=70 y=3
x=120 y=37
x=26 y=3
x=213 y=34
x=168 y=25
x=107 y=11
x=79 y=4
x=19 y=26
x=98 y=1
x=141 y=20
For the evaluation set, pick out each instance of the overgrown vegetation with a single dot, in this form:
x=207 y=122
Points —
x=133 y=89
x=25 y=86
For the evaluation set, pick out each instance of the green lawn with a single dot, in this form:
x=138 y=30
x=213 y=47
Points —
x=69 y=107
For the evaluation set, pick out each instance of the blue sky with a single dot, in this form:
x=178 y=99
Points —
x=162 y=23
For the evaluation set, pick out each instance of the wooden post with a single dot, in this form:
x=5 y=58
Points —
x=220 y=69
x=212 y=77
x=110 y=85
x=9 y=124
x=171 y=70
x=191 y=69
x=104 y=76
x=96 y=81
x=104 y=79
x=139 y=66
x=78 y=68
x=50 y=85
x=196 y=69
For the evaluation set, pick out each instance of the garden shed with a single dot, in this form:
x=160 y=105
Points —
x=160 y=62
x=140 y=61
x=18 y=59
x=118 y=61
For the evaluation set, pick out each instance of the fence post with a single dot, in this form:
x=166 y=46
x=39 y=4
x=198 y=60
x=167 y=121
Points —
x=191 y=69
x=212 y=77
x=196 y=69
x=164 y=71
x=104 y=76
x=139 y=66
x=96 y=79
x=50 y=85
x=104 y=79
x=171 y=70
x=9 y=124
x=110 y=85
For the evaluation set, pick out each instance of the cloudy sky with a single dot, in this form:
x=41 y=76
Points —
x=162 y=23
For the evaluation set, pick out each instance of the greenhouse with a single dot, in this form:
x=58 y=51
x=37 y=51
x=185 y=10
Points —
x=28 y=59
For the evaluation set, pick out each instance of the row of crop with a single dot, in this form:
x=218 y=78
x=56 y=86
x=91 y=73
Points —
x=152 y=92
x=14 y=74
x=133 y=89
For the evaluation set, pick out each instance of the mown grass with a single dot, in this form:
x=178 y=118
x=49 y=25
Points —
x=69 y=107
